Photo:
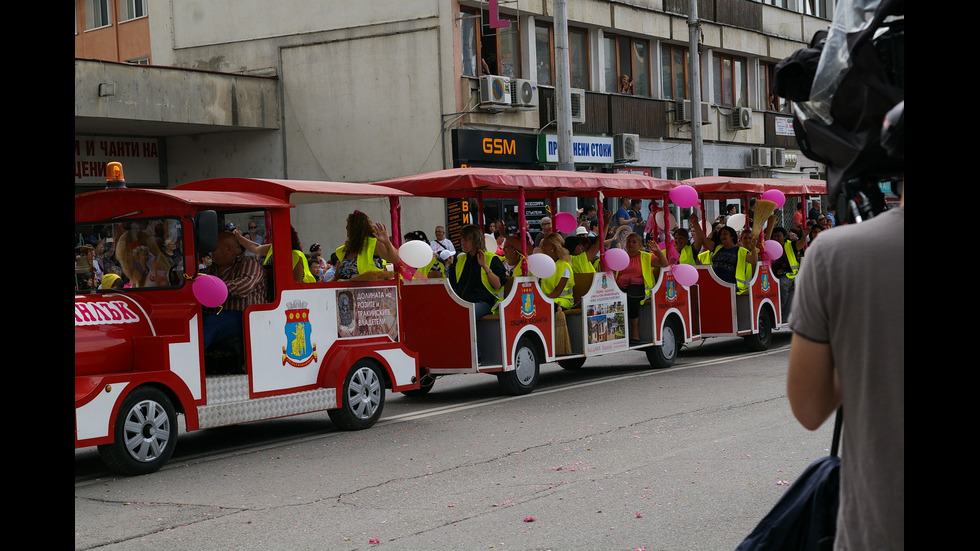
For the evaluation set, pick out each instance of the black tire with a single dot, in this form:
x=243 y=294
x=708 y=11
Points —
x=145 y=434
x=763 y=339
x=572 y=364
x=363 y=397
x=663 y=356
x=524 y=377
x=425 y=385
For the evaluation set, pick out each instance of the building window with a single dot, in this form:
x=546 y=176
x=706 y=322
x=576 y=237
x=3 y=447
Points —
x=629 y=57
x=816 y=8
x=498 y=51
x=544 y=45
x=132 y=9
x=469 y=23
x=144 y=60
x=578 y=57
x=97 y=14
x=673 y=68
x=731 y=87
x=768 y=100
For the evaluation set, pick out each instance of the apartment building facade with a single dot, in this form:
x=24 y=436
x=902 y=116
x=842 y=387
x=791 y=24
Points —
x=362 y=91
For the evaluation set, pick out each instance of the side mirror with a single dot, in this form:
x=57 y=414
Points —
x=205 y=232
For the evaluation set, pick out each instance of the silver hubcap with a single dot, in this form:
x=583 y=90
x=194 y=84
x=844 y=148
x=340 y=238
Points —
x=524 y=365
x=364 y=393
x=147 y=431
x=669 y=346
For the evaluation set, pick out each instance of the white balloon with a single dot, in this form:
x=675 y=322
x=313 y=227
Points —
x=736 y=222
x=415 y=253
x=541 y=265
x=659 y=219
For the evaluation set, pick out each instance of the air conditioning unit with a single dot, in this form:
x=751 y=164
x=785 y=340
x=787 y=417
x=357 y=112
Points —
x=741 y=118
x=523 y=93
x=778 y=157
x=494 y=91
x=626 y=147
x=578 y=105
x=761 y=156
x=682 y=111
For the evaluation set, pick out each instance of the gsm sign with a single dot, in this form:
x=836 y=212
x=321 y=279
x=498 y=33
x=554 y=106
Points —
x=499 y=146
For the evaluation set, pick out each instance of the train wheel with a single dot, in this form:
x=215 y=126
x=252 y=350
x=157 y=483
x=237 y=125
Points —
x=145 y=433
x=763 y=339
x=526 y=368
x=572 y=364
x=663 y=356
x=363 y=398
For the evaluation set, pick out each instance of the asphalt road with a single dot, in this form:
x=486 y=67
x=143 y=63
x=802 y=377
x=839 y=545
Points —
x=612 y=456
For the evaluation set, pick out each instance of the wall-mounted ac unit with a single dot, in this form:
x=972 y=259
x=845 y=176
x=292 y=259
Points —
x=494 y=91
x=741 y=118
x=761 y=156
x=682 y=111
x=779 y=157
x=523 y=93
x=626 y=147
x=578 y=105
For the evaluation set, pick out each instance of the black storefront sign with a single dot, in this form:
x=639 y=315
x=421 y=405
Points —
x=495 y=149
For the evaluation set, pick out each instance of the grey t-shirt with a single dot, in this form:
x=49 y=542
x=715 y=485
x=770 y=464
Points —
x=850 y=293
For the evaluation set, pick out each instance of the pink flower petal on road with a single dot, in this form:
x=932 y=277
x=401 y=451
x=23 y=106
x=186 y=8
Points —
x=528 y=519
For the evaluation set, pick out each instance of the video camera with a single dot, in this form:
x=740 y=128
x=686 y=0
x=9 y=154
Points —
x=848 y=89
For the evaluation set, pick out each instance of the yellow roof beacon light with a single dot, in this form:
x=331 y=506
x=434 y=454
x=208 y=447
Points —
x=114 y=178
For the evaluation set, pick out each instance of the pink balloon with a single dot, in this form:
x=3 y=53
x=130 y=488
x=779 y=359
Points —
x=684 y=196
x=617 y=259
x=209 y=290
x=773 y=249
x=685 y=274
x=775 y=196
x=565 y=222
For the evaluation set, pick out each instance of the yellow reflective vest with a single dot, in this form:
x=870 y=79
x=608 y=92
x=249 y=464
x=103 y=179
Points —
x=365 y=258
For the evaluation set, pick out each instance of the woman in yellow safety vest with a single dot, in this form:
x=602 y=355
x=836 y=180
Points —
x=733 y=263
x=561 y=284
x=365 y=242
x=638 y=278
x=477 y=275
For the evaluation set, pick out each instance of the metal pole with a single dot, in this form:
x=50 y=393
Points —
x=694 y=32
x=563 y=88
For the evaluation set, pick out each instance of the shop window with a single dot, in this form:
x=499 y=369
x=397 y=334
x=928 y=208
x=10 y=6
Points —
x=97 y=14
x=629 y=57
x=729 y=79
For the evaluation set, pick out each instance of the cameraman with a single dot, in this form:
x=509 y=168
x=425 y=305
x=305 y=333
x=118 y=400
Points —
x=849 y=346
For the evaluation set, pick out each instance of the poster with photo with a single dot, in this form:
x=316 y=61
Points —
x=367 y=312
x=605 y=309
